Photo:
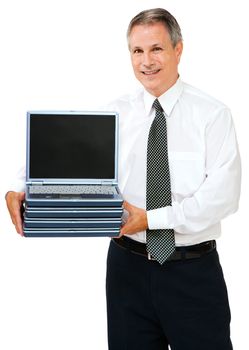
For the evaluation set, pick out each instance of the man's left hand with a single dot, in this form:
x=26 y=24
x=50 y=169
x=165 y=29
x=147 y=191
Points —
x=136 y=222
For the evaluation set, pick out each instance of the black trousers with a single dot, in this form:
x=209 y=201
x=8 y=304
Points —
x=182 y=304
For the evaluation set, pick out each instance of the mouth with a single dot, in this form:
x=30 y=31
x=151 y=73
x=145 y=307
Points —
x=151 y=72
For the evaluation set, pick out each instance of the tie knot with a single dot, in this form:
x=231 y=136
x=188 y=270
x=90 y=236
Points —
x=157 y=106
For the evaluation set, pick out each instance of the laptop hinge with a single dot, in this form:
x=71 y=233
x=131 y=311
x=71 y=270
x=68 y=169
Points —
x=37 y=183
x=107 y=183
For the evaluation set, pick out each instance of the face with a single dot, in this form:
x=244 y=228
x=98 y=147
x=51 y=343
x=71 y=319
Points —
x=154 y=59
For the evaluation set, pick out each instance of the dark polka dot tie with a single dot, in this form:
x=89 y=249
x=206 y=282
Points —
x=160 y=243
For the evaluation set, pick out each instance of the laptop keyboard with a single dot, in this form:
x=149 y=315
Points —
x=72 y=189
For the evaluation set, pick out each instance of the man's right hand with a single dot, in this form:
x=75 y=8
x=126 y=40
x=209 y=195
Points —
x=14 y=202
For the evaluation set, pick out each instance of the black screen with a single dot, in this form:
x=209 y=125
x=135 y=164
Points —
x=72 y=146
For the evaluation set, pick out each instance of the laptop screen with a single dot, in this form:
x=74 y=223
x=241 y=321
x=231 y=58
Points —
x=71 y=145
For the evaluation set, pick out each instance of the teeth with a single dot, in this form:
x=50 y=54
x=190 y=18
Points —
x=151 y=72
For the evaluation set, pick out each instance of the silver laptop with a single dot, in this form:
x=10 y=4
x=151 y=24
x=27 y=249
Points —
x=67 y=232
x=103 y=223
x=72 y=159
x=69 y=212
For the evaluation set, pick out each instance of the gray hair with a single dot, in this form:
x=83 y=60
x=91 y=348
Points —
x=154 y=16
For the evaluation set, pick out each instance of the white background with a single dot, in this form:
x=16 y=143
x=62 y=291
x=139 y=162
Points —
x=58 y=54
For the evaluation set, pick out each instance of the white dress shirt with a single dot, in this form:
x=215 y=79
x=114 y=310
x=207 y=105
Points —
x=203 y=158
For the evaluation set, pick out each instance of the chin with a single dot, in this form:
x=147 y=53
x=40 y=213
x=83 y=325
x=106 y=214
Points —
x=150 y=88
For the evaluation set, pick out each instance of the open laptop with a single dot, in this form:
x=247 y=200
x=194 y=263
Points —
x=72 y=159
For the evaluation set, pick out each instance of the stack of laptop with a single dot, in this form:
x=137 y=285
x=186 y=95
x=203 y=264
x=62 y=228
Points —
x=71 y=176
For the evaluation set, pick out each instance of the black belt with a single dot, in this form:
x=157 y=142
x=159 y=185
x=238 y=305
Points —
x=181 y=253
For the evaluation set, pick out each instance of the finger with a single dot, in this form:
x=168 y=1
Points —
x=127 y=206
x=122 y=230
x=18 y=222
x=21 y=196
x=14 y=216
x=19 y=229
x=126 y=229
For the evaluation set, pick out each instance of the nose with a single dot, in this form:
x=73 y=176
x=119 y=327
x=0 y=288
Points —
x=147 y=59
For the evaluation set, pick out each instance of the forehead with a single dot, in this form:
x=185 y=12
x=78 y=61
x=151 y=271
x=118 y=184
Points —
x=148 y=34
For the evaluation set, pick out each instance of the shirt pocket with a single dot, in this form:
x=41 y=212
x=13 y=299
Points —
x=187 y=172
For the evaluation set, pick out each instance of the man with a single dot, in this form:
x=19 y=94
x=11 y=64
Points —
x=179 y=299
x=183 y=302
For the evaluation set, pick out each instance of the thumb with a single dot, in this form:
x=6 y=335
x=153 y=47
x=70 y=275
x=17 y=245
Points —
x=22 y=196
x=127 y=206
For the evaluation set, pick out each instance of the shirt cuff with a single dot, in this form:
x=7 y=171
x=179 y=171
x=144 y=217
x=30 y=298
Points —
x=159 y=218
x=168 y=217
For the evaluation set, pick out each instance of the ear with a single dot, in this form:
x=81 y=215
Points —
x=178 y=50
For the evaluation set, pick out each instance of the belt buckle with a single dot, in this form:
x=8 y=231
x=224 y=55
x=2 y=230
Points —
x=150 y=257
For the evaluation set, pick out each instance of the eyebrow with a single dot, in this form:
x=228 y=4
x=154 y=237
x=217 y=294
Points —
x=157 y=44
x=135 y=47
x=139 y=47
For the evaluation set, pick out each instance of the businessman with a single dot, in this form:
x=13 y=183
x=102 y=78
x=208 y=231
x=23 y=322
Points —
x=180 y=176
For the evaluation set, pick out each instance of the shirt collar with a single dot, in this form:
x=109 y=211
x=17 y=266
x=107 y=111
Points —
x=167 y=100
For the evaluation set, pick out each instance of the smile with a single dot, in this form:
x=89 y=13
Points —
x=151 y=72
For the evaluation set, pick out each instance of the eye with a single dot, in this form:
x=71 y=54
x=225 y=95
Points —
x=157 y=49
x=137 y=51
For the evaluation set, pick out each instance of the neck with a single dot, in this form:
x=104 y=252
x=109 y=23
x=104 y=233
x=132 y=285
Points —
x=165 y=88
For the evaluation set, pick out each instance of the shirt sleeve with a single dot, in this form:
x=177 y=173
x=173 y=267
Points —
x=218 y=195
x=17 y=183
